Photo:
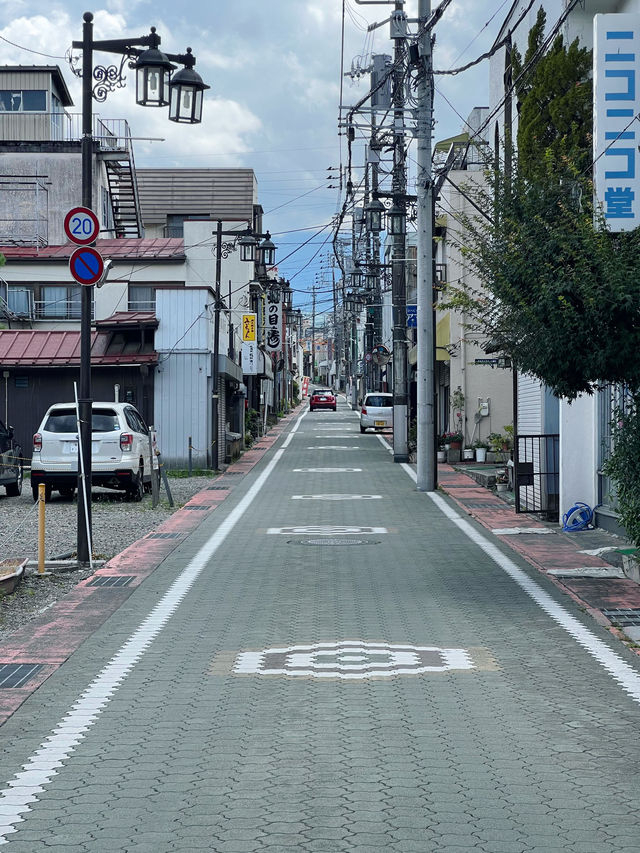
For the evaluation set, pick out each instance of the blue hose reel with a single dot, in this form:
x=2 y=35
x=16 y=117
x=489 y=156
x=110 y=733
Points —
x=579 y=517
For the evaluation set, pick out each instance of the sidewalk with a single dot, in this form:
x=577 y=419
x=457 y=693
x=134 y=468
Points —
x=612 y=599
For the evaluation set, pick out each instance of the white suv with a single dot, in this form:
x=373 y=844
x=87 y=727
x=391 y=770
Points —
x=120 y=455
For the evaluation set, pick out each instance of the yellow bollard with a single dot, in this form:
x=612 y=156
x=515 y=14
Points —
x=41 y=506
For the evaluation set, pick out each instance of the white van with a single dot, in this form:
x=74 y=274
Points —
x=120 y=454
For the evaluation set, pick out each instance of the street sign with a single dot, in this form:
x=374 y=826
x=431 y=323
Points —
x=412 y=316
x=81 y=226
x=86 y=265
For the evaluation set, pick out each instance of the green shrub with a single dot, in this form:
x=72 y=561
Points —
x=623 y=467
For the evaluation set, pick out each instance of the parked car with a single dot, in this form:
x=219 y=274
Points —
x=120 y=455
x=10 y=462
x=376 y=411
x=322 y=398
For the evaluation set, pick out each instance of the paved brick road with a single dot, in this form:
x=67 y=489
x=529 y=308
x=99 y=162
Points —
x=274 y=689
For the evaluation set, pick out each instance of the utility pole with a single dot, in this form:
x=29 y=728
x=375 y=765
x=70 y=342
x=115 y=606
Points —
x=426 y=400
x=399 y=191
x=313 y=334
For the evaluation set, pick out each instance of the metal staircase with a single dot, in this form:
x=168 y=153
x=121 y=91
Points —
x=116 y=151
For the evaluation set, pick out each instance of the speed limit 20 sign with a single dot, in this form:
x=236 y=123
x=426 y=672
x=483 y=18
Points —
x=81 y=226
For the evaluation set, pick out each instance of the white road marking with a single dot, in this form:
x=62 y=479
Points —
x=334 y=447
x=613 y=663
x=321 y=530
x=326 y=470
x=336 y=497
x=42 y=766
x=352 y=660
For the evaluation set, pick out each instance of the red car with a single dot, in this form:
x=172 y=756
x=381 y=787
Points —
x=322 y=399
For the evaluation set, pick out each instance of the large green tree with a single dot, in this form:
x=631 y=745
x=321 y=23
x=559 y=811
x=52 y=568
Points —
x=560 y=295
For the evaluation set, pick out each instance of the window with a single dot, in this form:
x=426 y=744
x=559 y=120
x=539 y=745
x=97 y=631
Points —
x=60 y=301
x=142 y=298
x=23 y=100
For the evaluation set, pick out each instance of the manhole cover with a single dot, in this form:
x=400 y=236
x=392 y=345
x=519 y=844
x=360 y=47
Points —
x=326 y=540
x=111 y=581
x=17 y=674
x=164 y=535
x=623 y=617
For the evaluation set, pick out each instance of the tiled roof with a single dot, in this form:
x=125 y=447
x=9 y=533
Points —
x=60 y=349
x=130 y=248
x=129 y=318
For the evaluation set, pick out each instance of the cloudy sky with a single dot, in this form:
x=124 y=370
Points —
x=274 y=72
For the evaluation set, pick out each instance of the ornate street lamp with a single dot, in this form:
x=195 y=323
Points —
x=267 y=251
x=374 y=216
x=153 y=84
x=153 y=72
x=356 y=276
x=247 y=244
x=186 y=88
x=397 y=221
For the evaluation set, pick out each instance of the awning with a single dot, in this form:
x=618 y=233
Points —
x=229 y=368
x=443 y=337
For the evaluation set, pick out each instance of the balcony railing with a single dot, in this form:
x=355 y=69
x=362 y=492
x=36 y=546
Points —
x=60 y=309
x=110 y=134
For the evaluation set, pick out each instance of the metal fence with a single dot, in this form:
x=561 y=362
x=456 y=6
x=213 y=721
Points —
x=537 y=474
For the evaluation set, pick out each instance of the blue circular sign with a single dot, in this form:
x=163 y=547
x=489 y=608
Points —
x=86 y=265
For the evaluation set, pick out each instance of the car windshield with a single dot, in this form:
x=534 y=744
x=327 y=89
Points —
x=64 y=420
x=378 y=401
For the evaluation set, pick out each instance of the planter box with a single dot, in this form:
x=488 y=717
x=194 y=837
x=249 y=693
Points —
x=468 y=454
x=631 y=565
x=481 y=454
x=453 y=455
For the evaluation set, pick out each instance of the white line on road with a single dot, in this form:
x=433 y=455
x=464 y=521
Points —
x=621 y=671
x=42 y=766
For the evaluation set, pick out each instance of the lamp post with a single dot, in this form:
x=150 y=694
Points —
x=154 y=88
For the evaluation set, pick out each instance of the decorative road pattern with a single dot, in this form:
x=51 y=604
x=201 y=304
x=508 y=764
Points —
x=380 y=676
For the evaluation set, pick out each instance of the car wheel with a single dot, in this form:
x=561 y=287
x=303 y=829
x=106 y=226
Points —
x=136 y=492
x=334 y=408
x=13 y=490
x=362 y=429
x=67 y=492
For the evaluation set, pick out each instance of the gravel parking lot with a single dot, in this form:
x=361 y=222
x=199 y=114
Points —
x=116 y=524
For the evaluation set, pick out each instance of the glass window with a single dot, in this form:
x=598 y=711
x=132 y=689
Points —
x=142 y=298
x=34 y=101
x=26 y=100
x=378 y=401
x=104 y=420
x=60 y=301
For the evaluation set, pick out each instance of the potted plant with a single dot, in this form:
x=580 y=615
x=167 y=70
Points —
x=468 y=453
x=502 y=481
x=454 y=440
x=481 y=448
x=624 y=470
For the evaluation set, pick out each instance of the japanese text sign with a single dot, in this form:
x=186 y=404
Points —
x=616 y=102
x=273 y=321
x=249 y=327
x=249 y=358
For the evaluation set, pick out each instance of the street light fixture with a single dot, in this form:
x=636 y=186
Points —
x=374 y=216
x=153 y=69
x=247 y=244
x=186 y=88
x=267 y=251
x=153 y=73
x=397 y=221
